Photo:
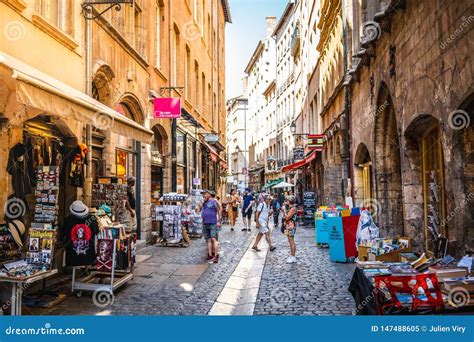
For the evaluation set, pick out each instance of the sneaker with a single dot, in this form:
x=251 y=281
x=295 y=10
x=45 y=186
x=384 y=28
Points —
x=215 y=260
x=291 y=260
x=209 y=257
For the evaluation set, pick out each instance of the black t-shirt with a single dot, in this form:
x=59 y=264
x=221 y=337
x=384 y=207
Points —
x=80 y=236
x=131 y=198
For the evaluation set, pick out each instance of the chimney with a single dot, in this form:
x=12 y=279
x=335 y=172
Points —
x=270 y=23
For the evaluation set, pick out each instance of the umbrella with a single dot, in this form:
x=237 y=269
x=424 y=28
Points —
x=283 y=185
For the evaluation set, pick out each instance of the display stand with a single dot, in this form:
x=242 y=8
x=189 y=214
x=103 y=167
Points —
x=96 y=279
x=18 y=285
x=322 y=232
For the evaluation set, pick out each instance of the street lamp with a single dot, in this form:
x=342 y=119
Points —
x=293 y=127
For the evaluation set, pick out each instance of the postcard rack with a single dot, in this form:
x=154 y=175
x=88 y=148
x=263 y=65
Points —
x=100 y=280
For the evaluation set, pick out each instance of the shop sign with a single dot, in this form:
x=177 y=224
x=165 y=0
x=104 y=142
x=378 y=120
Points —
x=315 y=142
x=167 y=108
x=196 y=181
x=211 y=138
x=298 y=153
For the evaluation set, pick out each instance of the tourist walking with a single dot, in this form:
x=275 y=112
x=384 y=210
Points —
x=211 y=216
x=276 y=207
x=262 y=217
x=247 y=205
x=233 y=208
x=289 y=216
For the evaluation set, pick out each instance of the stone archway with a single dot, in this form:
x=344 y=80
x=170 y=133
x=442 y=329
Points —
x=387 y=168
x=413 y=179
x=130 y=106
x=363 y=176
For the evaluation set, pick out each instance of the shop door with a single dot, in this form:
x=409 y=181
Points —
x=433 y=188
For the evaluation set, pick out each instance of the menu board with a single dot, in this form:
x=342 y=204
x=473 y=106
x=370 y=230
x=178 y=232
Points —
x=309 y=204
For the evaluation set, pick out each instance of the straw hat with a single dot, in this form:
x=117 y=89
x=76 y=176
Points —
x=17 y=229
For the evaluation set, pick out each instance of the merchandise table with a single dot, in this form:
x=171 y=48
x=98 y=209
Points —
x=18 y=287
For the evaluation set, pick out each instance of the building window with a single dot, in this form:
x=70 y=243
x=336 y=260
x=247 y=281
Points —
x=196 y=85
x=174 y=57
x=158 y=20
x=58 y=13
x=187 y=67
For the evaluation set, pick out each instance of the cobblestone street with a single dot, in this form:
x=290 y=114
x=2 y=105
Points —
x=312 y=286
x=177 y=281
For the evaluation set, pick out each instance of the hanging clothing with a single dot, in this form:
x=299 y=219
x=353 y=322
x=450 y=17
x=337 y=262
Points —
x=17 y=167
x=76 y=175
x=30 y=161
x=80 y=235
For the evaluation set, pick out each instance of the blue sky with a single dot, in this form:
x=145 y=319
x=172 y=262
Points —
x=242 y=36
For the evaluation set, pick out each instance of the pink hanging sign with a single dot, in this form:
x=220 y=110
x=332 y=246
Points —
x=167 y=108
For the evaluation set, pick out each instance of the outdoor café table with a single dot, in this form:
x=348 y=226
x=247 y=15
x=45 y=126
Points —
x=18 y=285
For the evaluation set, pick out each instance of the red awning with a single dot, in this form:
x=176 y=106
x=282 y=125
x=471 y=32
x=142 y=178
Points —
x=300 y=163
x=214 y=154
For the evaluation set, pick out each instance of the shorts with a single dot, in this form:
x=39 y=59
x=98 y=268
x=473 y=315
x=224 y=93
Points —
x=210 y=231
x=248 y=214
x=263 y=228
x=290 y=232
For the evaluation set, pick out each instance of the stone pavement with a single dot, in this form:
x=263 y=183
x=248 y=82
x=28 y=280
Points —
x=312 y=286
x=178 y=281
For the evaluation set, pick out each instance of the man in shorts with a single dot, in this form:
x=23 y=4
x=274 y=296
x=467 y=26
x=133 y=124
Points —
x=211 y=220
x=262 y=216
x=247 y=204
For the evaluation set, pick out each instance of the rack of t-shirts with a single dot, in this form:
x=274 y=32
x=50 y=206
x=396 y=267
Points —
x=114 y=264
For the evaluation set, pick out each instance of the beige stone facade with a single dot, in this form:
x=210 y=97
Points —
x=411 y=104
x=146 y=50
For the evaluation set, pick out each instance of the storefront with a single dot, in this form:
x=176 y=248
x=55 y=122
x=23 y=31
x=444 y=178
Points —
x=46 y=131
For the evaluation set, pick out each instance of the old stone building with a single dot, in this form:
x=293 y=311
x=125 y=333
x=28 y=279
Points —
x=332 y=105
x=411 y=78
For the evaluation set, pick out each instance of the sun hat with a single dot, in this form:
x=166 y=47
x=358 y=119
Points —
x=79 y=209
x=17 y=229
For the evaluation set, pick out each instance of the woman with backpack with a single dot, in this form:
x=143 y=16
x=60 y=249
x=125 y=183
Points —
x=289 y=226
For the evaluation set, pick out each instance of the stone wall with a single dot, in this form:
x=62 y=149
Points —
x=428 y=78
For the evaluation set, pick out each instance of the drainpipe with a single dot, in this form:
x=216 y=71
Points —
x=347 y=171
x=174 y=182
x=87 y=195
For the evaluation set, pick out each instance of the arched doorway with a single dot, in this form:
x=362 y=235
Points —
x=364 y=187
x=425 y=153
x=388 y=177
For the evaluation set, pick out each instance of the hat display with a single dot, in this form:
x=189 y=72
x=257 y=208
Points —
x=17 y=229
x=79 y=209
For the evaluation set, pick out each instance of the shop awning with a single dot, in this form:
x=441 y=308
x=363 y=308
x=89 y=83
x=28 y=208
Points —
x=300 y=163
x=272 y=183
x=39 y=90
x=214 y=155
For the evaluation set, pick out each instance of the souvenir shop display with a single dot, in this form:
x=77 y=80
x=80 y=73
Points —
x=193 y=213
x=114 y=259
x=413 y=281
x=111 y=195
x=11 y=240
x=40 y=248
x=174 y=214
x=47 y=195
